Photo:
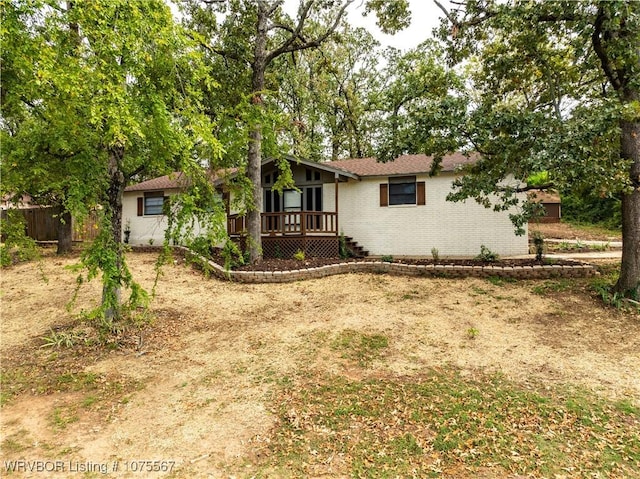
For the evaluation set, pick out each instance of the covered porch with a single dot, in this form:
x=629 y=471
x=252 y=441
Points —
x=304 y=218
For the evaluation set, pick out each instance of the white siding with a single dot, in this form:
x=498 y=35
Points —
x=455 y=229
x=144 y=229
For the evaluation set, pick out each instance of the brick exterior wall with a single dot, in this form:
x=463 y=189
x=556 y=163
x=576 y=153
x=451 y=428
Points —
x=144 y=229
x=455 y=229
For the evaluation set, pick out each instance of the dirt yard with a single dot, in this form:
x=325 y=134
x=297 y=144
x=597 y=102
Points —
x=195 y=389
x=569 y=232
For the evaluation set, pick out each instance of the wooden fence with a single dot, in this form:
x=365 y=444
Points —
x=41 y=224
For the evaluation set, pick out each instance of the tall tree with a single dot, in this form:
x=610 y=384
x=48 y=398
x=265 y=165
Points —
x=39 y=155
x=123 y=105
x=585 y=56
x=552 y=86
x=331 y=96
x=250 y=36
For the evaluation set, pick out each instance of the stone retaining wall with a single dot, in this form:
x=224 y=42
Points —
x=577 y=270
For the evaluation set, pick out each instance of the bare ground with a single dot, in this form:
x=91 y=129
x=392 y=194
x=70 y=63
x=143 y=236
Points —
x=197 y=386
x=569 y=232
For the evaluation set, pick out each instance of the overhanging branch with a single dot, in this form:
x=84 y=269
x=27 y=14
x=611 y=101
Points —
x=290 y=45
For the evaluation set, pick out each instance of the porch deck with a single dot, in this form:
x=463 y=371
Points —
x=289 y=223
x=315 y=233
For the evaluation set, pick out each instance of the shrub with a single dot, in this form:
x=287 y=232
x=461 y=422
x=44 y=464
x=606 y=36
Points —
x=344 y=252
x=487 y=255
x=299 y=255
x=17 y=246
x=538 y=242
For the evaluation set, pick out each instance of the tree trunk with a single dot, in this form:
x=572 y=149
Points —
x=112 y=278
x=65 y=232
x=629 y=281
x=254 y=160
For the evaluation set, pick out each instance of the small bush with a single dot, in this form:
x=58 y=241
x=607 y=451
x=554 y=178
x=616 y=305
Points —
x=538 y=242
x=299 y=255
x=487 y=255
x=344 y=252
x=387 y=258
x=232 y=255
x=202 y=245
x=435 y=254
x=17 y=246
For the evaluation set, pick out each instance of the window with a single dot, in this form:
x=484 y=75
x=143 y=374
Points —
x=292 y=200
x=402 y=190
x=312 y=175
x=154 y=203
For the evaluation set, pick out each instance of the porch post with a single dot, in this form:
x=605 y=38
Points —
x=336 y=201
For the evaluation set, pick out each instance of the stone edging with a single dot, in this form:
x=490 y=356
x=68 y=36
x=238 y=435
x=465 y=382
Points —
x=578 y=270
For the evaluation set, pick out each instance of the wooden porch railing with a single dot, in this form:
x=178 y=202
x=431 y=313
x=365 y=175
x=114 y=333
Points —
x=289 y=223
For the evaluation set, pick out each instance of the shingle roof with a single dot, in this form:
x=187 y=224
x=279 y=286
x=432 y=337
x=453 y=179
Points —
x=403 y=165
x=176 y=180
x=544 y=196
x=171 y=181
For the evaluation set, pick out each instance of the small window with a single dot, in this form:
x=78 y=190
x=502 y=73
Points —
x=154 y=203
x=402 y=190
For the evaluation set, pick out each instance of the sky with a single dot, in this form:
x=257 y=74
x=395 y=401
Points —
x=425 y=16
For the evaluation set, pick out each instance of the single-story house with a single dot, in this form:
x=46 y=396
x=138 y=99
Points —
x=392 y=208
x=143 y=218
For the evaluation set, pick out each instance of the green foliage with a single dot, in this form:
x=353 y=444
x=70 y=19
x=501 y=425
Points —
x=538 y=242
x=201 y=245
x=233 y=256
x=63 y=339
x=435 y=253
x=16 y=246
x=553 y=286
x=526 y=104
x=392 y=15
x=343 y=251
x=589 y=208
x=97 y=95
x=330 y=96
x=105 y=257
x=486 y=255
x=299 y=255
x=387 y=258
x=472 y=333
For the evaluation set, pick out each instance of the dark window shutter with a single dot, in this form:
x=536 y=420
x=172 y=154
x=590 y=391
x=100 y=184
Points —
x=420 y=191
x=140 y=206
x=384 y=194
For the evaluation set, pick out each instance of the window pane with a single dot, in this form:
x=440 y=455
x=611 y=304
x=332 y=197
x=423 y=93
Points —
x=402 y=193
x=153 y=205
x=292 y=200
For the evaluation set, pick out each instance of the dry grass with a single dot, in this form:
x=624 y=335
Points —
x=234 y=379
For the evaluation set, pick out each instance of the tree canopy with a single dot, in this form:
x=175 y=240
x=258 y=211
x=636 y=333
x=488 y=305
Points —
x=96 y=95
x=542 y=86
